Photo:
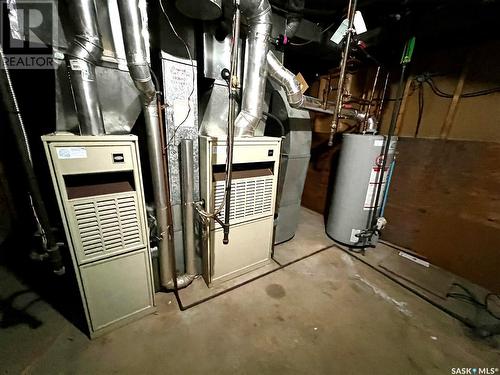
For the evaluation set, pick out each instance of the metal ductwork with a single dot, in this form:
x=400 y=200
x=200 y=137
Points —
x=82 y=55
x=286 y=79
x=141 y=75
x=258 y=15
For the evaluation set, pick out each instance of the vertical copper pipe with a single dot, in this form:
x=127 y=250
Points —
x=343 y=66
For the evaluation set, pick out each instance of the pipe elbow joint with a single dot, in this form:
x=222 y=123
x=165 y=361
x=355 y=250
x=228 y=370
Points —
x=142 y=80
x=285 y=79
x=245 y=124
x=86 y=47
x=295 y=98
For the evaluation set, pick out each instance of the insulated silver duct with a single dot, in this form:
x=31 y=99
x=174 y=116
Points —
x=286 y=79
x=258 y=14
x=140 y=72
x=82 y=55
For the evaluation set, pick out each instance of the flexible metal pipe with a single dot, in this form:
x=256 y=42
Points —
x=17 y=125
x=258 y=14
x=187 y=180
x=286 y=79
x=85 y=51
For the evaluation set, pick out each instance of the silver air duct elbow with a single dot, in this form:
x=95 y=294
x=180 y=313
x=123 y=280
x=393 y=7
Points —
x=135 y=49
x=258 y=14
x=85 y=51
x=285 y=79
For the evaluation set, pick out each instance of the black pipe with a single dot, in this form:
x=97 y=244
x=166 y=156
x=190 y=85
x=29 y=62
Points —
x=387 y=145
x=183 y=307
x=11 y=108
x=465 y=321
x=278 y=121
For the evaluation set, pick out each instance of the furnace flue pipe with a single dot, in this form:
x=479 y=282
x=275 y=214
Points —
x=139 y=71
x=187 y=179
x=82 y=55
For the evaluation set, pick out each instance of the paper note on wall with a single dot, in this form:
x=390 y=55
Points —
x=183 y=114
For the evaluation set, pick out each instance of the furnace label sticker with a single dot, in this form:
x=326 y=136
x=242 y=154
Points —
x=71 y=152
x=75 y=64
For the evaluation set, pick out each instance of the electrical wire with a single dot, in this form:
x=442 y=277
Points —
x=420 y=107
x=193 y=73
x=470 y=298
x=301 y=44
x=276 y=120
x=473 y=94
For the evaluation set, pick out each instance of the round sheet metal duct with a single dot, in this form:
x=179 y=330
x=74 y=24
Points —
x=205 y=10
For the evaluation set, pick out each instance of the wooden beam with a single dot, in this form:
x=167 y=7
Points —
x=452 y=109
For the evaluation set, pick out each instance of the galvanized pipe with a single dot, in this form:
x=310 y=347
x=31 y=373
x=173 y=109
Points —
x=187 y=180
x=258 y=14
x=140 y=73
x=82 y=55
x=135 y=49
x=9 y=99
x=286 y=79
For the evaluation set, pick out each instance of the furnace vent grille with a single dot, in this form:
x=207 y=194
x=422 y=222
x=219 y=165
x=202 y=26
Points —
x=107 y=225
x=250 y=198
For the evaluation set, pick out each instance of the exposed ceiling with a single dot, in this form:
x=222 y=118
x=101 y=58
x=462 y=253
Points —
x=435 y=23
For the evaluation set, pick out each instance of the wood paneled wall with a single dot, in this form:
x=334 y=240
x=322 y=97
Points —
x=444 y=200
x=444 y=203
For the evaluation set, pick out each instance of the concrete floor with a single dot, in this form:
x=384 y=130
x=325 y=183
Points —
x=326 y=314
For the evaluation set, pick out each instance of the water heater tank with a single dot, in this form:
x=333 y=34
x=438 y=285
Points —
x=355 y=188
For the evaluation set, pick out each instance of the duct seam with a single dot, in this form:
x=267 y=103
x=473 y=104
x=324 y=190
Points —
x=85 y=50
